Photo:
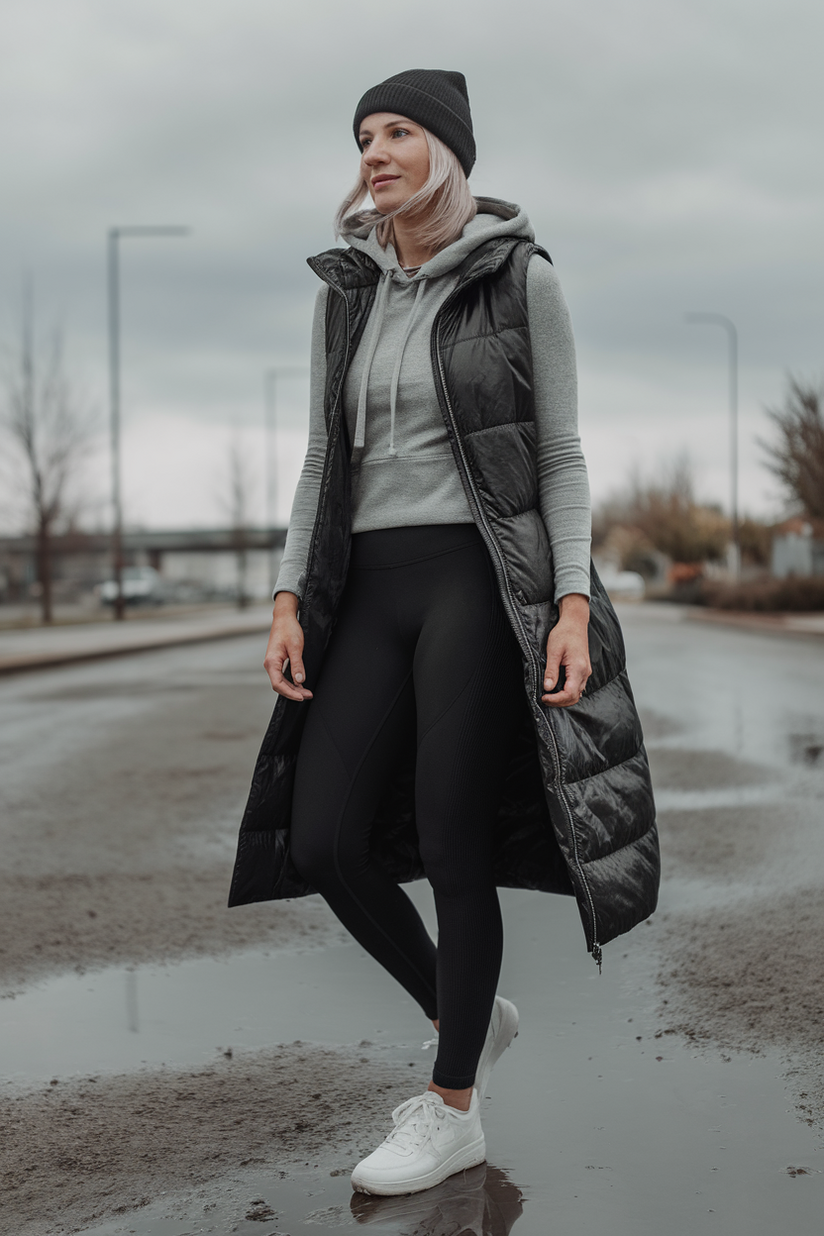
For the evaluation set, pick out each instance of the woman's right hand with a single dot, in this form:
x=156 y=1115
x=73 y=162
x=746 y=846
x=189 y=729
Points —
x=286 y=645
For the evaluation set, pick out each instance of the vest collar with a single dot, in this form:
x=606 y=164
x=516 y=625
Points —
x=348 y=269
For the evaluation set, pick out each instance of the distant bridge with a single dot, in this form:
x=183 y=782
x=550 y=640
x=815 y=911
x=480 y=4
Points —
x=84 y=558
x=151 y=541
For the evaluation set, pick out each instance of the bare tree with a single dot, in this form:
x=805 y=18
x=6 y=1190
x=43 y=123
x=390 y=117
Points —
x=51 y=433
x=663 y=514
x=797 y=456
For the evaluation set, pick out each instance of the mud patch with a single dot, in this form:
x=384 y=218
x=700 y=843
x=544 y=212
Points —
x=679 y=769
x=721 y=842
x=118 y=829
x=76 y=1153
x=749 y=976
x=806 y=749
x=80 y=922
x=111 y=691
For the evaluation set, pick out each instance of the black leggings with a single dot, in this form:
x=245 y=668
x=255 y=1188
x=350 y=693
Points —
x=422 y=647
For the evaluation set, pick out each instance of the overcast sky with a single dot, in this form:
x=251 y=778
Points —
x=668 y=152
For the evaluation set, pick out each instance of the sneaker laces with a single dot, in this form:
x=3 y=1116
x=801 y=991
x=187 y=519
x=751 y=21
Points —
x=416 y=1120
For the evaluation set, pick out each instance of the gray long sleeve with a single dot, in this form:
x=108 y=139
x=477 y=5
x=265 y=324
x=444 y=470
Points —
x=292 y=572
x=562 y=477
x=563 y=485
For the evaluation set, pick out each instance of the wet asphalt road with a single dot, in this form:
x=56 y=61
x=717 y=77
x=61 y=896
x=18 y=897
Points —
x=594 y=1121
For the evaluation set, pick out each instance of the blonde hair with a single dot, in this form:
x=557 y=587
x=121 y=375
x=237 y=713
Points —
x=444 y=201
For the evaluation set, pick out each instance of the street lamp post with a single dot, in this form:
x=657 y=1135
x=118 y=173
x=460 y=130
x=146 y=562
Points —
x=719 y=319
x=270 y=383
x=115 y=234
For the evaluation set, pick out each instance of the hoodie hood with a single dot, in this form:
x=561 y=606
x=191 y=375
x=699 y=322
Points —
x=495 y=219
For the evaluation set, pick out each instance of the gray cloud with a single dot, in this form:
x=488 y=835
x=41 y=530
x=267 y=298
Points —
x=667 y=152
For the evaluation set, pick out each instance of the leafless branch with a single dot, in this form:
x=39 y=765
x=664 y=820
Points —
x=51 y=432
x=796 y=456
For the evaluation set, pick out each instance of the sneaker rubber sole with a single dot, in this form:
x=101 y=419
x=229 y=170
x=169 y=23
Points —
x=460 y=1161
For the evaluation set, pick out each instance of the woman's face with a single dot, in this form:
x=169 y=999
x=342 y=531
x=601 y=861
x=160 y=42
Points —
x=395 y=159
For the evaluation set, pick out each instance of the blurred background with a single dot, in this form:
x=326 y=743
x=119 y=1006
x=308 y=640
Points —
x=668 y=154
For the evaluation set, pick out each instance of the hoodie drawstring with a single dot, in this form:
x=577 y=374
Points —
x=379 y=313
x=360 y=423
x=396 y=372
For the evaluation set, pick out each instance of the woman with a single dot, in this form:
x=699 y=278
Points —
x=441 y=527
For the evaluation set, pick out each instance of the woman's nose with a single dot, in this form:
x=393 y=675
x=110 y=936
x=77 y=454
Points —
x=374 y=154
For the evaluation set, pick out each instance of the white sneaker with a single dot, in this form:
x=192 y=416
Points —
x=429 y=1143
x=503 y=1026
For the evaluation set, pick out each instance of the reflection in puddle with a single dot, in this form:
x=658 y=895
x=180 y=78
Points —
x=121 y=1019
x=480 y=1202
x=132 y=1012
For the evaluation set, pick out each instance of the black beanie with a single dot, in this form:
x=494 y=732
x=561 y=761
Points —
x=434 y=98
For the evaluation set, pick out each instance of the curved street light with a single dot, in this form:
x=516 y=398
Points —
x=115 y=235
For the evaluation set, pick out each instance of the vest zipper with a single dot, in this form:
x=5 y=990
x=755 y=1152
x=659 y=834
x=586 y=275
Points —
x=500 y=569
x=503 y=574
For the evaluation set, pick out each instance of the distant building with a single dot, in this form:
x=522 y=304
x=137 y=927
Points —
x=798 y=548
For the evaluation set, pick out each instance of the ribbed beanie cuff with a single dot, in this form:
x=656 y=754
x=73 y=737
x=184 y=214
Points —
x=434 y=98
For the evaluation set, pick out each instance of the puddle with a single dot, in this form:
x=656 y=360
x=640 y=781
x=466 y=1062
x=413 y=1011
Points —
x=598 y=1123
x=121 y=1019
x=721 y=692
x=483 y=1200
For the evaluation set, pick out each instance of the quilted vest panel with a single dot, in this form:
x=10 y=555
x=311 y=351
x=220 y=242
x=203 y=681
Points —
x=577 y=814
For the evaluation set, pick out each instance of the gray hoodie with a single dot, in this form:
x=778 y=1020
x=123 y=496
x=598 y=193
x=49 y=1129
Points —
x=403 y=471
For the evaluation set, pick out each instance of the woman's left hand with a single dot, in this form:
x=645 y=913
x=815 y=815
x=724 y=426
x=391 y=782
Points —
x=568 y=646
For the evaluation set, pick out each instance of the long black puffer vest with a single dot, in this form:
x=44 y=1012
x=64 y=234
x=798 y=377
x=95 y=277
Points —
x=577 y=813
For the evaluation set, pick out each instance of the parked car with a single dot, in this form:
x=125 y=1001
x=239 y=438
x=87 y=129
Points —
x=141 y=586
x=623 y=585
